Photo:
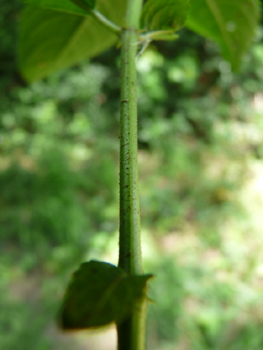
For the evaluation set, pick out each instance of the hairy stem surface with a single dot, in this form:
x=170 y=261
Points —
x=130 y=246
x=131 y=333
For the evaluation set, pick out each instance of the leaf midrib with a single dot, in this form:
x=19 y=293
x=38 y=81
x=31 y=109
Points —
x=106 y=295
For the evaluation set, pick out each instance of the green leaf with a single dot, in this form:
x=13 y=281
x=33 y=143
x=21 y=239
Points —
x=58 y=5
x=100 y=293
x=164 y=14
x=231 y=23
x=52 y=40
x=90 y=3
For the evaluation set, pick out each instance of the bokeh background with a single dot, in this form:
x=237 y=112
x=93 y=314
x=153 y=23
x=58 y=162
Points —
x=201 y=189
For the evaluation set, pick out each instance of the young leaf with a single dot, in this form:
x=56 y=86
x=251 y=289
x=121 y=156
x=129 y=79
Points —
x=164 y=14
x=166 y=35
x=100 y=293
x=231 y=23
x=52 y=40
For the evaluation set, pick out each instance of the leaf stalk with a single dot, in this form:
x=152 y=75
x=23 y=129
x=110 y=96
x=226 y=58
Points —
x=98 y=16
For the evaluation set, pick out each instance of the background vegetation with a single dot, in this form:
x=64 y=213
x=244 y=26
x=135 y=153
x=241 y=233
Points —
x=200 y=158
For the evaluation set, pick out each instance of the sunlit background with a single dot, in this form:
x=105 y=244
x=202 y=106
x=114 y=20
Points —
x=201 y=190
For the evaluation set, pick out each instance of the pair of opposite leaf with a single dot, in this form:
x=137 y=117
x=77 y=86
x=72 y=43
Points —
x=51 y=40
x=58 y=33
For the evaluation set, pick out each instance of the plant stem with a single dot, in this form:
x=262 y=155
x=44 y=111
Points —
x=130 y=246
x=131 y=333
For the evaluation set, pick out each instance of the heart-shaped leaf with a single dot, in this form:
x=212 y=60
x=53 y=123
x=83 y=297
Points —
x=52 y=40
x=231 y=23
x=164 y=14
x=100 y=293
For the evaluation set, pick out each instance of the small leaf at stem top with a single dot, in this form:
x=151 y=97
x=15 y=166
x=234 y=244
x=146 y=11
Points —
x=164 y=35
x=100 y=293
x=164 y=14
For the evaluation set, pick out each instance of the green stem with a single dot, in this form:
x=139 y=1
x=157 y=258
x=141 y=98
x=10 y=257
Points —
x=130 y=236
x=131 y=333
x=130 y=246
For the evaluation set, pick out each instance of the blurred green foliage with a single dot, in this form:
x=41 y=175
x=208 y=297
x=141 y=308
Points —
x=200 y=155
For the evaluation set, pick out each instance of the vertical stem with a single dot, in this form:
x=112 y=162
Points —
x=131 y=333
x=130 y=246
